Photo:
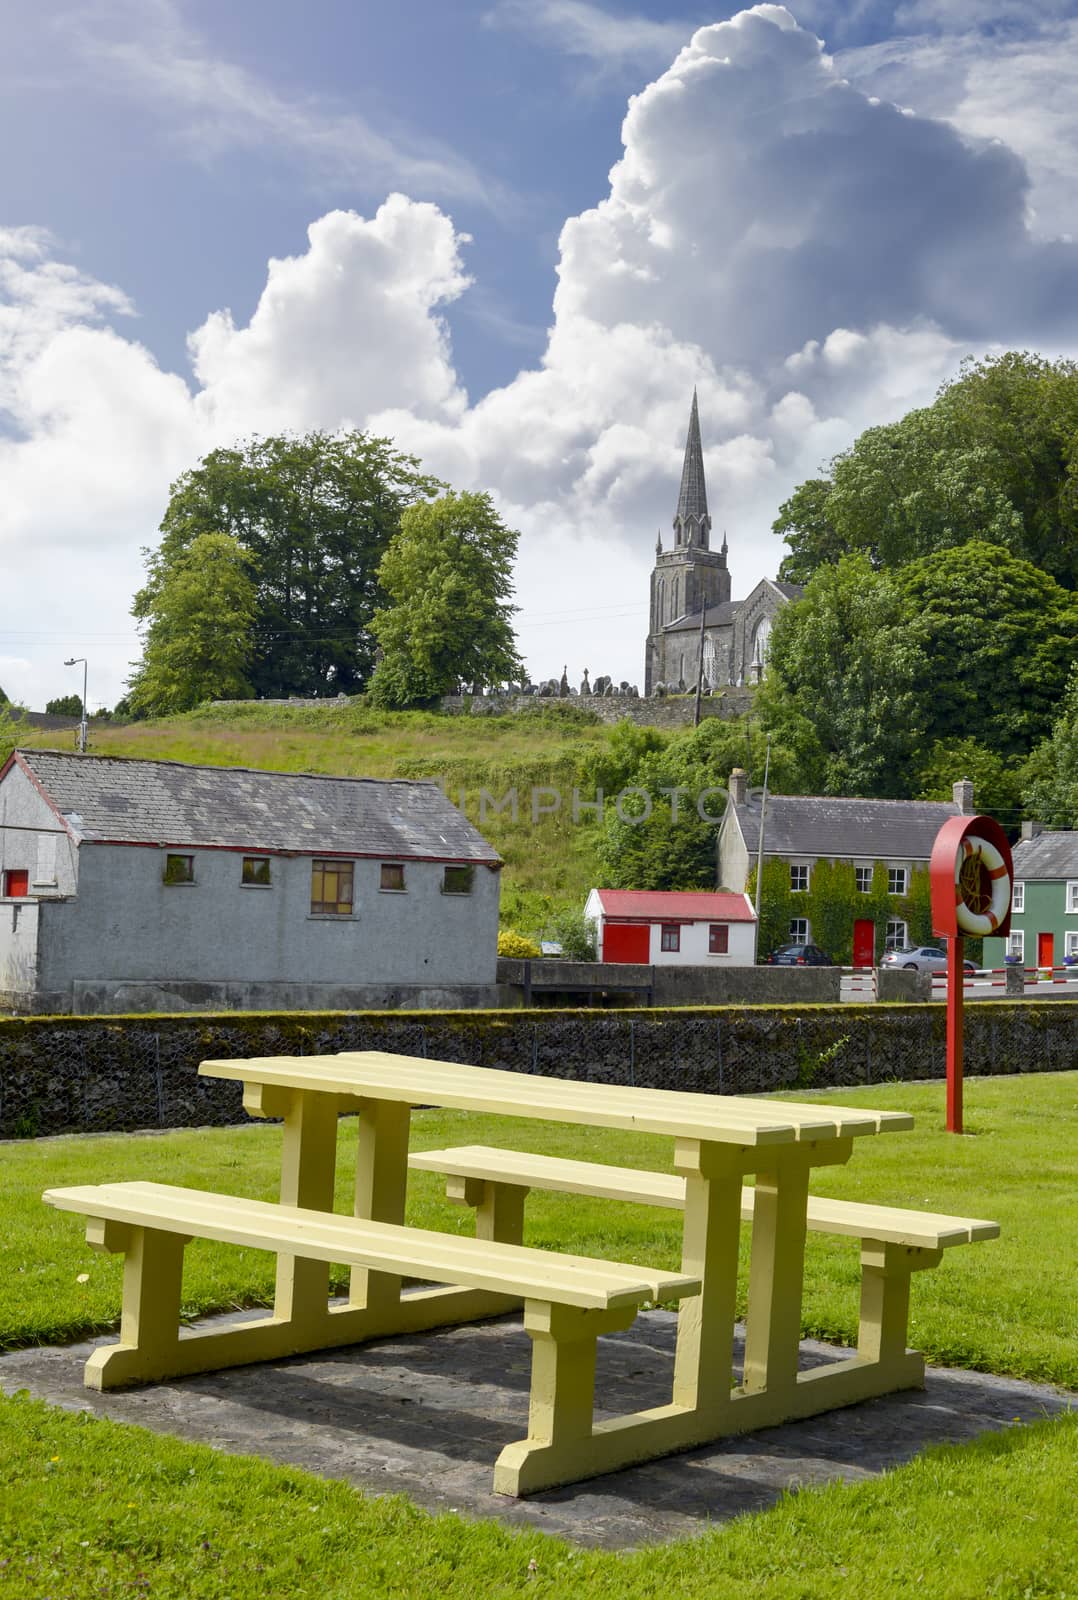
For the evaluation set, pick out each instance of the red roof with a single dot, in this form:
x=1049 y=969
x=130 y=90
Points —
x=663 y=905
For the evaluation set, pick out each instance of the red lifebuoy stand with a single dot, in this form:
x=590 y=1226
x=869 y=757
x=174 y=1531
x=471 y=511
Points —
x=971 y=875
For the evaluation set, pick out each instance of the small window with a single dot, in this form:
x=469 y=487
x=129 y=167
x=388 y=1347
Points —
x=1072 y=896
x=1070 y=942
x=1018 y=897
x=896 y=936
x=671 y=939
x=458 y=880
x=799 y=879
x=718 y=939
x=392 y=876
x=331 y=889
x=863 y=875
x=17 y=882
x=256 y=872
x=799 y=930
x=897 y=878
x=1016 y=945
x=179 y=869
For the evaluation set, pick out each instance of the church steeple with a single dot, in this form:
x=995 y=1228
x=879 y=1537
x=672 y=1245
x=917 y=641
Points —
x=692 y=523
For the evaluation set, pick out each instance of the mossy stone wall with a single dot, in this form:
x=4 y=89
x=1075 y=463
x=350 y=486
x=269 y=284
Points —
x=74 y=1074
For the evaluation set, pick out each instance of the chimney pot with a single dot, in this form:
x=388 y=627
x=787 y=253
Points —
x=963 y=796
x=1030 y=830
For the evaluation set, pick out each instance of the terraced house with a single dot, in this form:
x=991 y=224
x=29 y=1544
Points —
x=153 y=885
x=1044 y=907
x=850 y=875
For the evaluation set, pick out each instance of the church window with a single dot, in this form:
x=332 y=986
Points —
x=660 y=606
x=674 y=613
x=710 y=675
x=760 y=636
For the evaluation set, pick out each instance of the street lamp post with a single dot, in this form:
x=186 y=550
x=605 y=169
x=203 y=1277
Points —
x=74 y=662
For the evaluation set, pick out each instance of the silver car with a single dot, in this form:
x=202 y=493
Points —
x=922 y=958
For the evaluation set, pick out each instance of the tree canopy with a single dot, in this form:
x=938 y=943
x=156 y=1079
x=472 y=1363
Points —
x=313 y=517
x=994 y=458
x=448 y=574
x=198 y=644
x=1050 y=778
x=873 y=670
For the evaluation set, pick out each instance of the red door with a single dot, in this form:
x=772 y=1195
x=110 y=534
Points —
x=626 y=941
x=17 y=882
x=864 y=942
x=1045 y=950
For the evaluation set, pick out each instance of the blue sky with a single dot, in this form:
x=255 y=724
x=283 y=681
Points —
x=815 y=232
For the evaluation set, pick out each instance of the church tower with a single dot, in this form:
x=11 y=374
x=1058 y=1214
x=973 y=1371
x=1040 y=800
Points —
x=690 y=577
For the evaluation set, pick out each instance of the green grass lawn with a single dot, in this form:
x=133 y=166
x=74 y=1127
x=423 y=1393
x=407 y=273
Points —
x=92 y=1509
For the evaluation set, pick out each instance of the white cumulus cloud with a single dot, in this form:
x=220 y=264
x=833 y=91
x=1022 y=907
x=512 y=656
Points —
x=811 y=257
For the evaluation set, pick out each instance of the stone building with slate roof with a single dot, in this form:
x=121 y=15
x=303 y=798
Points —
x=690 y=597
x=129 y=885
x=801 y=830
x=1044 y=906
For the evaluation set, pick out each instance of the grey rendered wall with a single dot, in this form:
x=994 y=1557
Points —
x=733 y=856
x=18 y=952
x=32 y=836
x=127 y=926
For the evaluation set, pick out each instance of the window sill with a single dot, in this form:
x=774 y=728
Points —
x=331 y=916
x=392 y=891
x=181 y=885
x=256 y=886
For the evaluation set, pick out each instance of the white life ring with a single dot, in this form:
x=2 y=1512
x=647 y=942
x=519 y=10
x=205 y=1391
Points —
x=980 y=923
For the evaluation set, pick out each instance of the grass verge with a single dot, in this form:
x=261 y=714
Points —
x=92 y=1510
x=1003 y=1306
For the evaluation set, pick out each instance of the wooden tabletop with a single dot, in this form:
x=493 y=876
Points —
x=413 y=1080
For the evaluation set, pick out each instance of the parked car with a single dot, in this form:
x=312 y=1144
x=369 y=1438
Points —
x=798 y=955
x=922 y=958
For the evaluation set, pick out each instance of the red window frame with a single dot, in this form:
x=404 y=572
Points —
x=718 y=939
x=670 y=937
x=17 y=883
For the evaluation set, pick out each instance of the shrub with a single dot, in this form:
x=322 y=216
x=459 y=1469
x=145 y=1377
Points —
x=516 y=946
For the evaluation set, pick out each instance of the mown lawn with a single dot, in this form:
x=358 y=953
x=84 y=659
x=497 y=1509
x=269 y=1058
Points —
x=93 y=1509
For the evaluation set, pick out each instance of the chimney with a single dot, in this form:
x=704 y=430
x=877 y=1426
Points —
x=739 y=786
x=963 y=796
x=1030 y=830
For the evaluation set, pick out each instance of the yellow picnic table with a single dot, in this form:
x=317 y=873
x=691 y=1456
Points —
x=718 y=1141
x=568 y=1301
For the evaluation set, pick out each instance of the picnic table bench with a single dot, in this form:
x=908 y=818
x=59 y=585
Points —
x=895 y=1241
x=719 y=1141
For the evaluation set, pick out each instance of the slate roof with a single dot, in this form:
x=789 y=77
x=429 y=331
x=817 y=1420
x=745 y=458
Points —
x=720 y=616
x=815 y=825
x=792 y=591
x=687 y=905
x=1049 y=855
x=114 y=799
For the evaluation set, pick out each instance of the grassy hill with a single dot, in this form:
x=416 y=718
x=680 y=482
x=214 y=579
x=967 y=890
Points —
x=548 y=863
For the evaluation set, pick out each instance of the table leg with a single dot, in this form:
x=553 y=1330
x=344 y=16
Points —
x=703 y=1365
x=381 y=1186
x=308 y=1168
x=776 y=1274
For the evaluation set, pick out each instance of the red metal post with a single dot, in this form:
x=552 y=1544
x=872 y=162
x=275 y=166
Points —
x=956 y=976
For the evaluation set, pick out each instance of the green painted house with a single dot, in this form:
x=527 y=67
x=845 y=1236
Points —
x=1044 y=911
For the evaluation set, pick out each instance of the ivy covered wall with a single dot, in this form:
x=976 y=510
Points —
x=833 y=902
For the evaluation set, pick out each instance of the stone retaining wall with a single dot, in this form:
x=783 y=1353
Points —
x=70 y=1074
x=672 y=711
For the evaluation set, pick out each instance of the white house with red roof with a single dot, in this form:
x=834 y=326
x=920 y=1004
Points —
x=685 y=928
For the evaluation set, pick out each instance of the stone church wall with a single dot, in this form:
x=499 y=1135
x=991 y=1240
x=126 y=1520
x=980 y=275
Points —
x=672 y=711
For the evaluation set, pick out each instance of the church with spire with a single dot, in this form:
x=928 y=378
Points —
x=691 y=608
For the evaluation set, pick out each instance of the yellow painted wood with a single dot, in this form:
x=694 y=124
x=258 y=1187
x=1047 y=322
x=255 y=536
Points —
x=894 y=1224
x=150 y=1318
x=308 y=1166
x=776 y=1274
x=381 y=1184
x=446 y=1258
x=416 y=1081
x=703 y=1360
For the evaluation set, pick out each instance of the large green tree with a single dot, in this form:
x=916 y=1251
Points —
x=314 y=516
x=872 y=671
x=841 y=690
x=994 y=458
x=448 y=574
x=1050 y=778
x=198 y=642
